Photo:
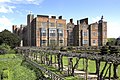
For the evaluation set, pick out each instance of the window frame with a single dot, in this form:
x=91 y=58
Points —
x=43 y=32
x=60 y=25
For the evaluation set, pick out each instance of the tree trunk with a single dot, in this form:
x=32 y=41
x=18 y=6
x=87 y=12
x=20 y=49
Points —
x=70 y=65
x=103 y=71
x=50 y=60
x=110 y=71
x=47 y=59
x=76 y=64
x=41 y=58
x=115 y=71
x=55 y=61
x=107 y=71
x=59 y=62
x=83 y=64
x=34 y=56
x=98 y=69
x=86 y=69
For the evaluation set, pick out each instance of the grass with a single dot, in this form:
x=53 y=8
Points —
x=73 y=78
x=10 y=66
x=79 y=51
x=91 y=65
x=54 y=70
x=7 y=56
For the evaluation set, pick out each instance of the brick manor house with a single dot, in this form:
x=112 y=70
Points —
x=43 y=30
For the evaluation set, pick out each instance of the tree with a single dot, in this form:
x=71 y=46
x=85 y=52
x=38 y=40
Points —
x=9 y=38
x=117 y=41
x=5 y=48
x=111 y=42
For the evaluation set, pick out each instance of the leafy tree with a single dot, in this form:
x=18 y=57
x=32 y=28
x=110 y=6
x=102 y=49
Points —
x=117 y=41
x=5 y=47
x=9 y=38
x=111 y=42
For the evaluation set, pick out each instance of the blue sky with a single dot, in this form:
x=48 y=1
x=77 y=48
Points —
x=15 y=11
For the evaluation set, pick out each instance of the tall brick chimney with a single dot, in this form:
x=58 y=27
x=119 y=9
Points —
x=71 y=20
x=60 y=17
x=14 y=28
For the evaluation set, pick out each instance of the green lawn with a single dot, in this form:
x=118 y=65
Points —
x=91 y=65
x=51 y=68
x=73 y=78
x=11 y=69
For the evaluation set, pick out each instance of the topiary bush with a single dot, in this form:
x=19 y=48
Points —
x=113 y=50
x=63 y=49
x=6 y=49
x=4 y=74
x=104 y=50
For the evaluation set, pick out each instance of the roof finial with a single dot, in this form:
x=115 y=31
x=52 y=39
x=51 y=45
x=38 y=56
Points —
x=102 y=17
x=30 y=12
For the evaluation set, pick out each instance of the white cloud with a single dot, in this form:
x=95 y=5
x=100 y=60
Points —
x=5 y=23
x=113 y=30
x=5 y=5
x=4 y=1
x=6 y=9
x=1 y=28
x=37 y=2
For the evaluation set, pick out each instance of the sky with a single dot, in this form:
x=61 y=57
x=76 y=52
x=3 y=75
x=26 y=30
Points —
x=14 y=12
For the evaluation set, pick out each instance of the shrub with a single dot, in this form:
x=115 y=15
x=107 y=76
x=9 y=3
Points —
x=11 y=51
x=5 y=47
x=104 y=50
x=5 y=74
x=63 y=49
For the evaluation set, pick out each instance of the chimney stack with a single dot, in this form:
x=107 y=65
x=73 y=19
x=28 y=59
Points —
x=60 y=17
x=14 y=27
x=71 y=20
x=54 y=17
